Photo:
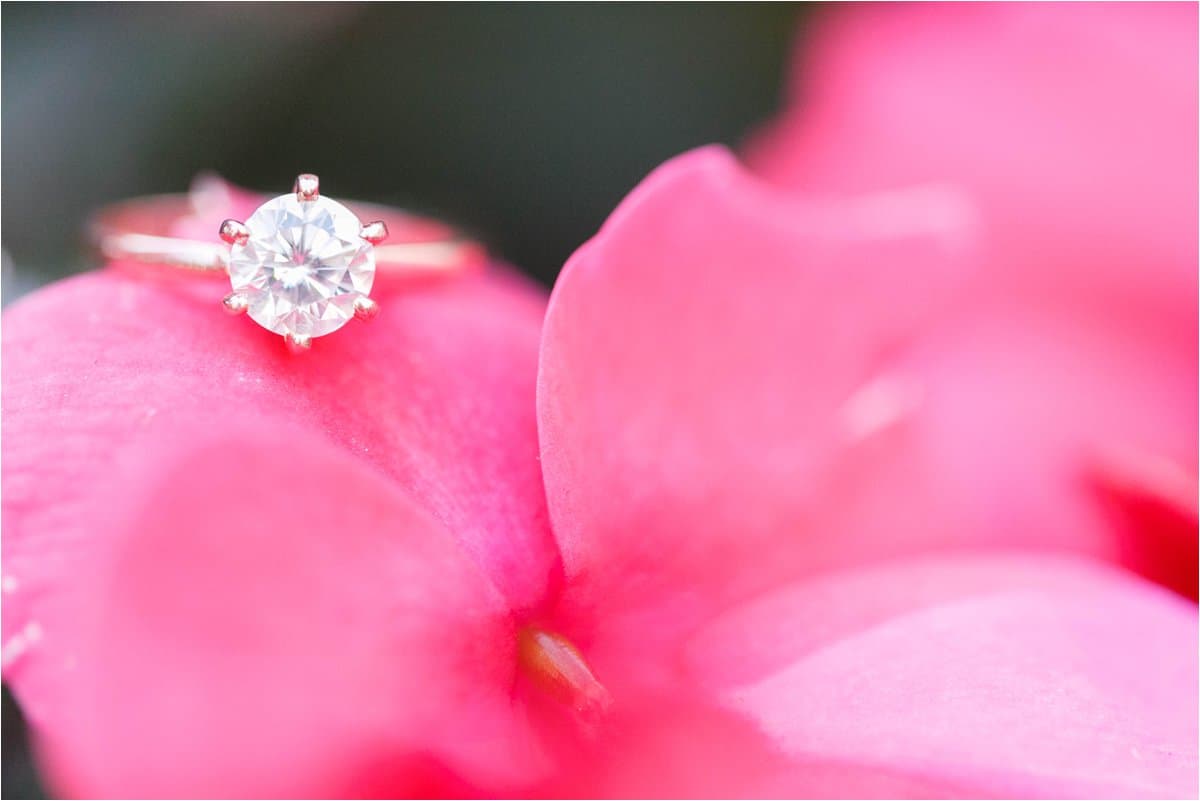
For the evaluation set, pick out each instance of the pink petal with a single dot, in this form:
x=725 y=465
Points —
x=684 y=747
x=1032 y=431
x=1155 y=500
x=272 y=618
x=1018 y=677
x=698 y=358
x=1073 y=125
x=661 y=746
x=436 y=395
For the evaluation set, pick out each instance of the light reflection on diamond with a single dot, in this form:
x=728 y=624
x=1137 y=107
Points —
x=303 y=266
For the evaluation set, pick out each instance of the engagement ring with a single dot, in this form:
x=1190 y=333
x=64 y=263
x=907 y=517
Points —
x=301 y=265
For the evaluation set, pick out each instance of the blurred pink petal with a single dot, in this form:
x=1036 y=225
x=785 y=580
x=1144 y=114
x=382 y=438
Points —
x=436 y=395
x=683 y=748
x=1014 y=677
x=326 y=639
x=243 y=635
x=1156 y=499
x=1026 y=425
x=1073 y=125
x=737 y=388
x=276 y=576
x=1073 y=130
x=655 y=744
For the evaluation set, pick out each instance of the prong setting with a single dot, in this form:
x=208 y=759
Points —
x=301 y=271
x=307 y=187
x=297 y=344
x=236 y=303
x=375 y=232
x=233 y=232
x=365 y=309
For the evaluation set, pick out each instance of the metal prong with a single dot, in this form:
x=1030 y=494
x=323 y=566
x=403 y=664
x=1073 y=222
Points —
x=297 y=344
x=234 y=232
x=307 y=187
x=365 y=309
x=236 y=303
x=375 y=232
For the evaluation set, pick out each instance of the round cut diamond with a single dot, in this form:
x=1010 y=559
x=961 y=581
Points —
x=303 y=266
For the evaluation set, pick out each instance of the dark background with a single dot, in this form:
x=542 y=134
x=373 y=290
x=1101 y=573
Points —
x=526 y=123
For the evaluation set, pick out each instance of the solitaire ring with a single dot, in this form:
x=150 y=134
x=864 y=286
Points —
x=301 y=265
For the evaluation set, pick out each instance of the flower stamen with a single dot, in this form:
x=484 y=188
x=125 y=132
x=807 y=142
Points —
x=556 y=666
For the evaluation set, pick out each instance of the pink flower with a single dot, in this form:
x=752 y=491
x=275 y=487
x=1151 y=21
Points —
x=638 y=550
x=1061 y=400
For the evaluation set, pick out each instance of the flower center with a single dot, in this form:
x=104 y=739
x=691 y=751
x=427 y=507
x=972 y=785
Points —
x=557 y=667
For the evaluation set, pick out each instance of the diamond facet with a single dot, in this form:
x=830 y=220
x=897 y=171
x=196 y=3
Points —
x=303 y=266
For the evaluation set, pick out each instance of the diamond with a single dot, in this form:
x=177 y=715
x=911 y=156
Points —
x=303 y=266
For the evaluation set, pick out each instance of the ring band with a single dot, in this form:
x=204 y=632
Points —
x=300 y=265
x=139 y=230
